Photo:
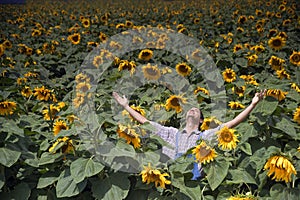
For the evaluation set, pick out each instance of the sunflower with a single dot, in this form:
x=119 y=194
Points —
x=203 y=153
x=227 y=139
x=125 y=64
x=2 y=48
x=235 y=105
x=280 y=167
x=295 y=58
x=26 y=92
x=276 y=43
x=82 y=78
x=7 y=107
x=249 y=79
x=295 y=87
x=20 y=81
x=183 y=69
x=252 y=59
x=145 y=55
x=296 y=116
x=130 y=135
x=200 y=89
x=258 y=48
x=102 y=37
x=242 y=19
x=97 y=61
x=209 y=123
x=282 y=74
x=151 y=175
x=237 y=47
x=65 y=144
x=272 y=32
x=51 y=112
x=173 y=102
x=78 y=100
x=138 y=109
x=44 y=94
x=128 y=24
x=276 y=63
x=151 y=72
x=242 y=197
x=75 y=38
x=229 y=75
x=277 y=94
x=7 y=44
x=58 y=126
x=86 y=23
x=239 y=90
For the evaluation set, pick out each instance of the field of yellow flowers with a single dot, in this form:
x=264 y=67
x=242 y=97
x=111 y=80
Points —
x=58 y=117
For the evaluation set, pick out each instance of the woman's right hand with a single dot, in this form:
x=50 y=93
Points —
x=123 y=101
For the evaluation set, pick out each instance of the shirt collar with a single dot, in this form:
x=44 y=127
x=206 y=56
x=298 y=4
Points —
x=196 y=131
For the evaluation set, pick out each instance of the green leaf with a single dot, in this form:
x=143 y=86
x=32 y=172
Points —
x=216 y=172
x=287 y=127
x=115 y=186
x=21 y=192
x=48 y=158
x=240 y=176
x=12 y=127
x=278 y=191
x=47 y=179
x=84 y=167
x=267 y=106
x=246 y=147
x=8 y=157
x=67 y=187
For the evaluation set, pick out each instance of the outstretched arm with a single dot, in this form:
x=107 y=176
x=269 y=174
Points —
x=243 y=115
x=123 y=101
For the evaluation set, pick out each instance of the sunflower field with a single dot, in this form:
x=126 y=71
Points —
x=63 y=136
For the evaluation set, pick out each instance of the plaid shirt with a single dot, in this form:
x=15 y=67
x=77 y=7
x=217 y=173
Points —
x=185 y=141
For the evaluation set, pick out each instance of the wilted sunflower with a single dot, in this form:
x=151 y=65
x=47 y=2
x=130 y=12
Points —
x=174 y=101
x=183 y=69
x=276 y=43
x=209 y=123
x=203 y=153
x=65 y=144
x=296 y=116
x=277 y=94
x=295 y=58
x=226 y=138
x=229 y=75
x=282 y=74
x=7 y=107
x=145 y=54
x=138 y=109
x=235 y=105
x=151 y=175
x=151 y=72
x=44 y=94
x=276 y=63
x=75 y=38
x=58 y=126
x=125 y=64
x=280 y=168
x=26 y=91
x=130 y=135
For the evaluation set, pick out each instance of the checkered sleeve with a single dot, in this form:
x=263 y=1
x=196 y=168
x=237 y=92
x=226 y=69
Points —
x=166 y=133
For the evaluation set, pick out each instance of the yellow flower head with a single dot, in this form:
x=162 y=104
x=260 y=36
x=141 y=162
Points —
x=151 y=72
x=277 y=94
x=83 y=87
x=280 y=168
x=174 y=101
x=75 y=38
x=43 y=94
x=58 y=126
x=26 y=92
x=296 y=116
x=237 y=47
x=125 y=64
x=249 y=79
x=151 y=175
x=235 y=105
x=276 y=63
x=65 y=144
x=277 y=42
x=282 y=74
x=97 y=61
x=145 y=54
x=7 y=107
x=203 y=153
x=183 y=69
x=229 y=75
x=239 y=90
x=130 y=135
x=227 y=139
x=209 y=123
x=295 y=58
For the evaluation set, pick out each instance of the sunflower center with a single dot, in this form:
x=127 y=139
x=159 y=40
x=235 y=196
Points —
x=227 y=137
x=229 y=75
x=175 y=102
x=204 y=151
x=146 y=54
x=295 y=58
x=277 y=43
x=75 y=38
x=183 y=68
